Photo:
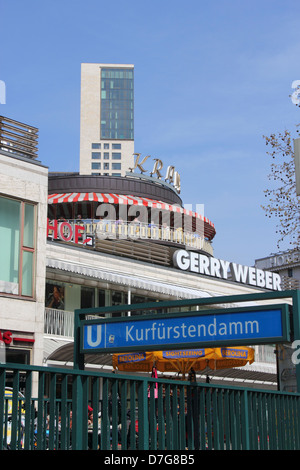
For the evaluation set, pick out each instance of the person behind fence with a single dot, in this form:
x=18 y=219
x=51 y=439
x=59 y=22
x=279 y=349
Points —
x=90 y=427
x=192 y=375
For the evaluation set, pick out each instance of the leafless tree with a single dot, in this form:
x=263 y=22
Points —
x=283 y=202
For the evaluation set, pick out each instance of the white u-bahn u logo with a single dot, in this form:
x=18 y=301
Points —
x=93 y=335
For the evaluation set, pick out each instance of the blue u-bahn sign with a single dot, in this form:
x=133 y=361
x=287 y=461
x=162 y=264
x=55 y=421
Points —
x=210 y=328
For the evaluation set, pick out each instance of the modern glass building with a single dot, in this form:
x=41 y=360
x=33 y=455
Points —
x=117 y=104
x=106 y=119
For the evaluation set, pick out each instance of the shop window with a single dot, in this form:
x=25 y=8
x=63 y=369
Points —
x=101 y=298
x=55 y=294
x=140 y=299
x=17 y=234
x=18 y=356
x=119 y=298
x=87 y=297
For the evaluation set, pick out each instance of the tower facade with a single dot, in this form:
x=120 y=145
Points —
x=106 y=119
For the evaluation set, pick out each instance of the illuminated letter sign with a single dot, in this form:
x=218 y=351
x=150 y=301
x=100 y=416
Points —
x=209 y=266
x=171 y=175
x=67 y=232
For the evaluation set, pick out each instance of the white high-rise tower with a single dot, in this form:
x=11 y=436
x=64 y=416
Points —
x=106 y=119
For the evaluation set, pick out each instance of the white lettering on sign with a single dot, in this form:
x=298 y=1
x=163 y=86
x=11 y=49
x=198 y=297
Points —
x=93 y=341
x=164 y=331
x=209 y=266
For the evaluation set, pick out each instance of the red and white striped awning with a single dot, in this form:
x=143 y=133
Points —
x=128 y=200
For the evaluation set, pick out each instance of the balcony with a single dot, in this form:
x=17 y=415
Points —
x=95 y=231
x=289 y=283
x=59 y=323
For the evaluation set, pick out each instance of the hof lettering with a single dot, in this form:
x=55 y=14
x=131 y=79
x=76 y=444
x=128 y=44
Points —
x=67 y=232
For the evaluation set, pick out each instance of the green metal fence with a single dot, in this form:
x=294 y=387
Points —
x=131 y=412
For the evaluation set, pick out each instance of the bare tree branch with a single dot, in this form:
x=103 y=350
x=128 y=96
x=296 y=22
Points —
x=283 y=202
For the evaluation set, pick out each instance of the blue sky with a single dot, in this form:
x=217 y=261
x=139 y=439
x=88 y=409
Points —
x=211 y=78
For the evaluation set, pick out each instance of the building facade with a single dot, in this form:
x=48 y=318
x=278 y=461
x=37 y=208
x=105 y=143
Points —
x=23 y=215
x=127 y=240
x=108 y=235
x=287 y=264
x=84 y=241
x=106 y=119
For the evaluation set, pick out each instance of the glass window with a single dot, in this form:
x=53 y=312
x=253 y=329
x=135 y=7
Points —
x=118 y=298
x=96 y=146
x=117 y=100
x=87 y=297
x=101 y=298
x=96 y=166
x=17 y=234
x=29 y=228
x=27 y=273
x=55 y=294
x=116 y=156
x=84 y=209
x=116 y=146
x=106 y=146
x=116 y=174
x=64 y=211
x=116 y=166
x=10 y=214
x=106 y=166
x=96 y=155
x=106 y=155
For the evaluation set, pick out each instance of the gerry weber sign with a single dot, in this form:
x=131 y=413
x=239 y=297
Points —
x=234 y=326
x=201 y=264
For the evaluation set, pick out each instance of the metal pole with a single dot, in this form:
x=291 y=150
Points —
x=78 y=357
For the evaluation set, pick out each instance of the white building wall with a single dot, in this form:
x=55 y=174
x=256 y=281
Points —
x=27 y=181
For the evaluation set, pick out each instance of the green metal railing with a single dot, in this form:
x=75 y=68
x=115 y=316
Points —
x=129 y=414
